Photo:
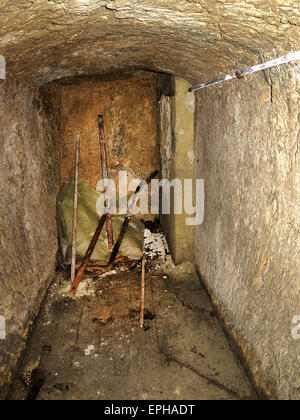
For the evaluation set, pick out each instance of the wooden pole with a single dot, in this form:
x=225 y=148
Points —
x=143 y=292
x=75 y=209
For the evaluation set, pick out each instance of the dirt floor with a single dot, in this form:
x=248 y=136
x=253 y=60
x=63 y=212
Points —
x=93 y=348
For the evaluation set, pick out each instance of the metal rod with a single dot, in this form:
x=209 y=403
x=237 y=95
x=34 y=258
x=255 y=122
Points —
x=118 y=244
x=294 y=56
x=134 y=199
x=87 y=256
x=103 y=156
x=105 y=268
x=143 y=292
x=75 y=210
x=119 y=240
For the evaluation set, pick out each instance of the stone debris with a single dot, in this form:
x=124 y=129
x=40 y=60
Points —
x=89 y=350
x=76 y=365
x=155 y=245
x=85 y=288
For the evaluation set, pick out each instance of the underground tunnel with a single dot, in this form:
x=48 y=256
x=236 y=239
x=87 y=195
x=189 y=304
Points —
x=221 y=300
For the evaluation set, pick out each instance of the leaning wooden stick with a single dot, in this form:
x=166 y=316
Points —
x=103 y=155
x=75 y=209
x=143 y=292
x=87 y=256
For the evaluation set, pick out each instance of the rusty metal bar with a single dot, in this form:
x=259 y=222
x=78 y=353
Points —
x=75 y=209
x=101 y=267
x=87 y=256
x=143 y=292
x=119 y=240
x=118 y=244
x=128 y=217
x=294 y=56
x=103 y=156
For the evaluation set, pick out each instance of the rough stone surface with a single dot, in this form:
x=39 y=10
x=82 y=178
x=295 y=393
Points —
x=192 y=38
x=176 y=138
x=28 y=185
x=247 y=250
x=129 y=109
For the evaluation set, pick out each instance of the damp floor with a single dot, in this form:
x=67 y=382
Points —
x=92 y=348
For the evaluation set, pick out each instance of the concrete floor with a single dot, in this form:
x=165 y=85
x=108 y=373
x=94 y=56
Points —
x=92 y=347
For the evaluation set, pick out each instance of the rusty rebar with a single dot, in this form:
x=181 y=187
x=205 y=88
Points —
x=294 y=56
x=125 y=225
x=103 y=156
x=87 y=256
x=143 y=292
x=75 y=210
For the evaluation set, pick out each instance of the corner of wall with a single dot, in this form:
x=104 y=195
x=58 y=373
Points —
x=176 y=137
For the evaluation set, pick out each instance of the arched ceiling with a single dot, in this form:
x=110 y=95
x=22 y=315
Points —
x=197 y=39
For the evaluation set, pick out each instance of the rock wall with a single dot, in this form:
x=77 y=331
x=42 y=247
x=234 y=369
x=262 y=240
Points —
x=128 y=105
x=29 y=177
x=176 y=137
x=248 y=250
x=48 y=40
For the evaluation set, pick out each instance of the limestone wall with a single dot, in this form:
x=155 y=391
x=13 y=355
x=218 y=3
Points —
x=176 y=136
x=29 y=175
x=128 y=105
x=247 y=250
